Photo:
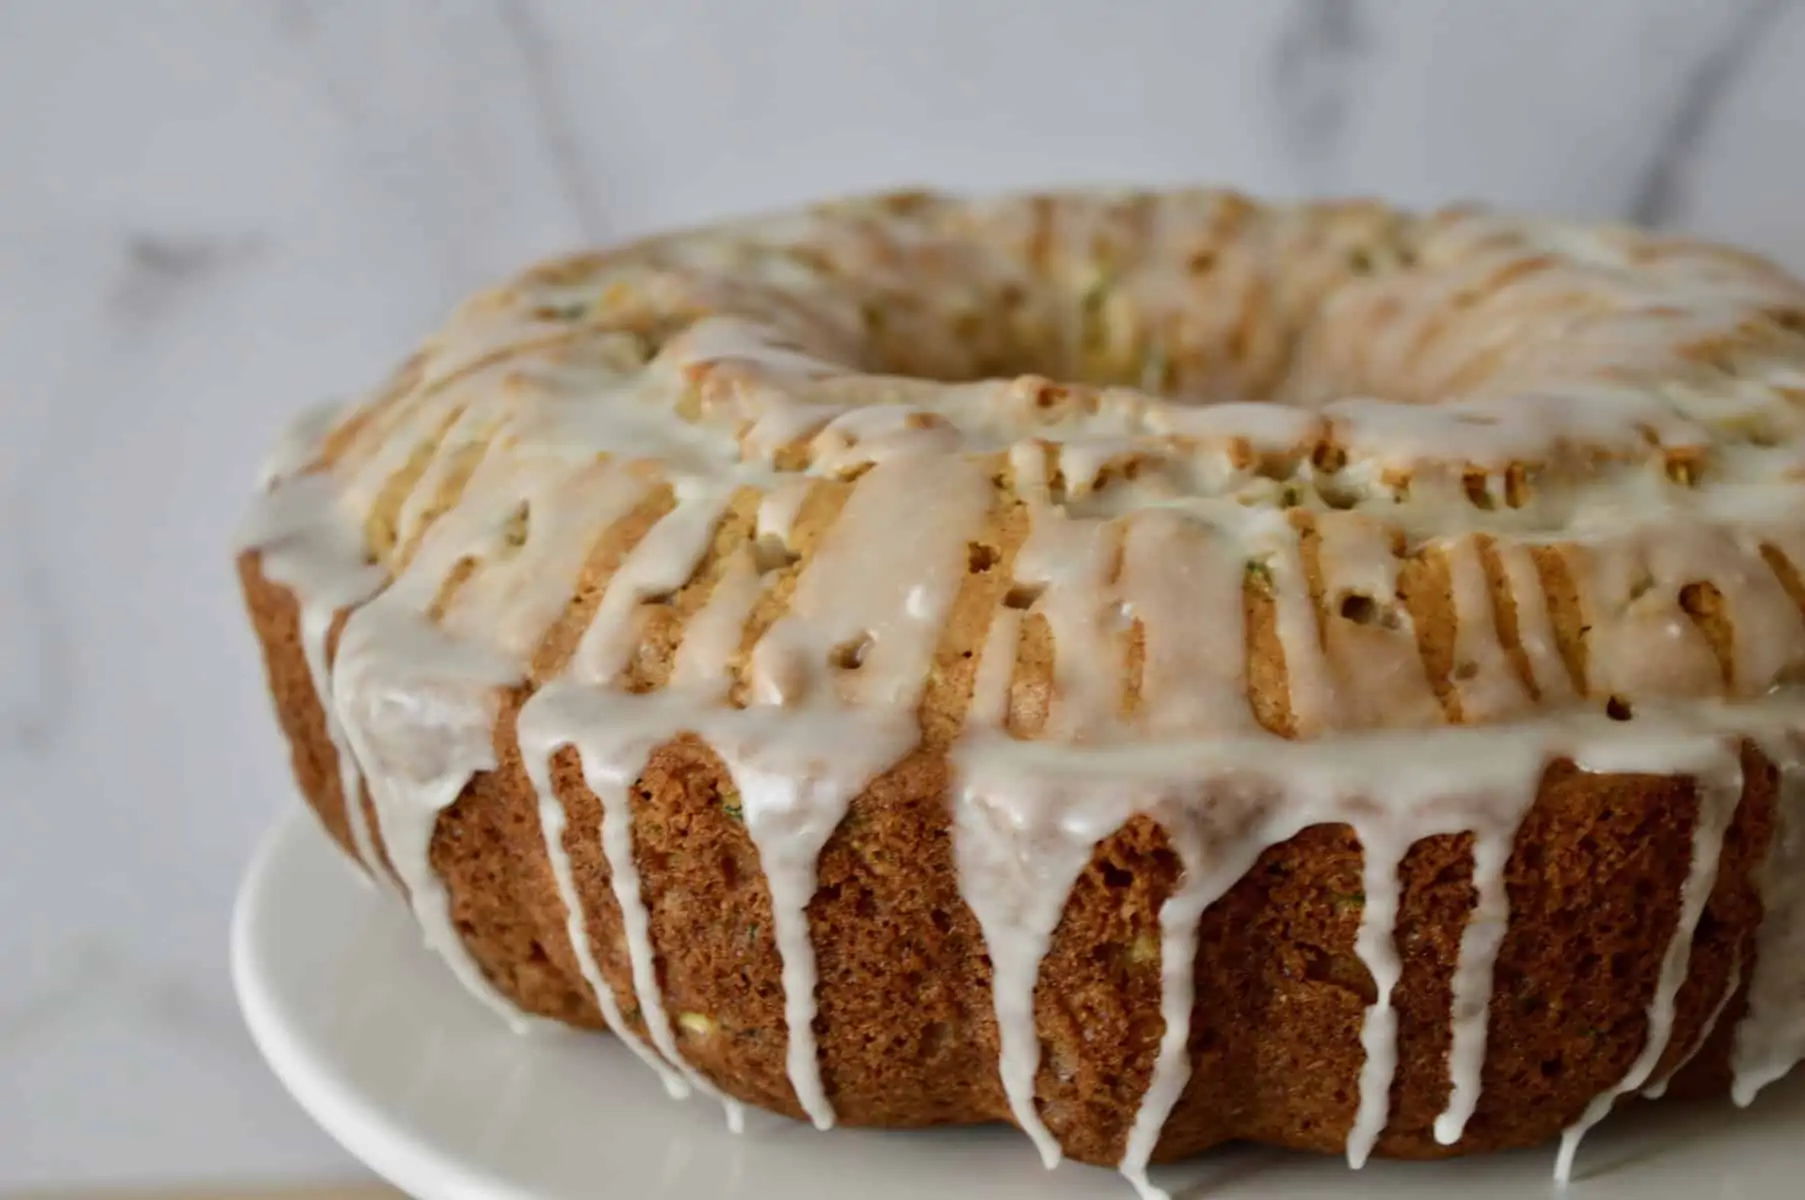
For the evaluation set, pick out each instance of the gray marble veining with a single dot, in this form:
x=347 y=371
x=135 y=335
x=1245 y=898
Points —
x=571 y=167
x=1317 y=62
x=1659 y=193
x=158 y=268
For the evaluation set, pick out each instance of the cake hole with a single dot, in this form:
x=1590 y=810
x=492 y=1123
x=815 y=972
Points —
x=1466 y=671
x=1023 y=595
x=770 y=554
x=1343 y=971
x=1337 y=493
x=1618 y=709
x=1699 y=600
x=850 y=655
x=1328 y=458
x=1202 y=262
x=570 y=311
x=518 y=525
x=1278 y=467
x=935 y=1039
x=980 y=557
x=1792 y=320
x=1516 y=485
x=1360 y=261
x=1479 y=494
x=1116 y=877
x=1362 y=609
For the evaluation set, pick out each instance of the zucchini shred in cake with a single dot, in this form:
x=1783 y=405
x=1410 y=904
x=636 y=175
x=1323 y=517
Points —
x=1358 y=708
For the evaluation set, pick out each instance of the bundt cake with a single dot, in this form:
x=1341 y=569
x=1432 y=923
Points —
x=1155 y=669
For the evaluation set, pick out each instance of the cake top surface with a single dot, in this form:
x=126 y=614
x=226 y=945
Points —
x=1107 y=468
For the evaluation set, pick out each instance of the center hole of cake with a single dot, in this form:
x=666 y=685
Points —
x=1206 y=324
x=1096 y=335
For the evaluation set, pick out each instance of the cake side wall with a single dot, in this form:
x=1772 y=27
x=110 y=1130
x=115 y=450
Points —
x=276 y=618
x=906 y=1024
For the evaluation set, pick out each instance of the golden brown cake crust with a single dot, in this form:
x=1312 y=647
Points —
x=908 y=1031
x=835 y=578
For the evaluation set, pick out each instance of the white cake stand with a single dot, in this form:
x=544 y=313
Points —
x=390 y=1055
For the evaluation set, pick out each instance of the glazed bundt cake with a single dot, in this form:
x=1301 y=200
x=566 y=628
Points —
x=1156 y=669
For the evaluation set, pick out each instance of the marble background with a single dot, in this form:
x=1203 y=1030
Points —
x=214 y=213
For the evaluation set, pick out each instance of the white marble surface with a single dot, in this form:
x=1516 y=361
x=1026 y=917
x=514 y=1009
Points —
x=216 y=212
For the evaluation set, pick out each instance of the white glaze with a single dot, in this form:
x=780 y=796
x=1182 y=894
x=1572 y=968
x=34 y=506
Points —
x=1658 y=1088
x=613 y=752
x=519 y=417
x=1017 y=862
x=1472 y=983
x=306 y=549
x=1379 y=1031
x=664 y=558
x=537 y=753
x=1771 y=1038
x=1718 y=789
x=1214 y=847
x=419 y=741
